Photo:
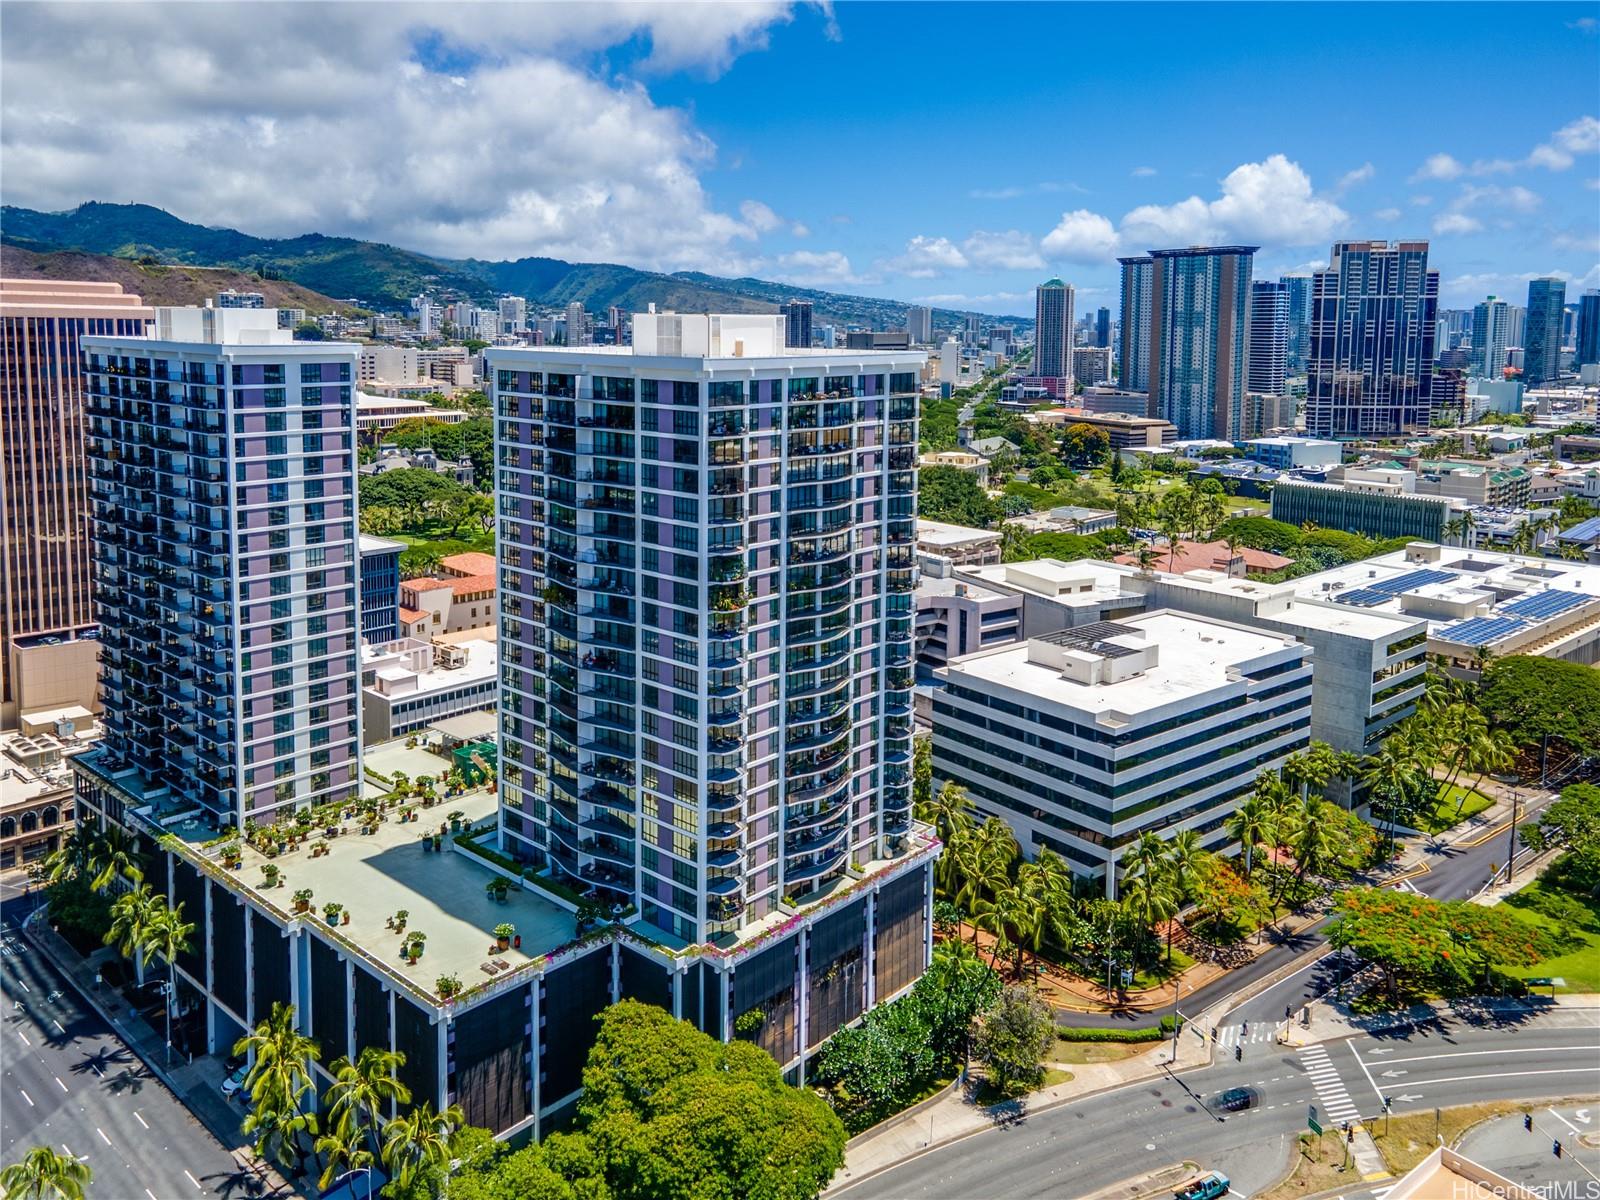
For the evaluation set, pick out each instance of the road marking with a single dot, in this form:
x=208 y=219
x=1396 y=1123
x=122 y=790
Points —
x=28 y=1098
x=57 y=1024
x=102 y=1134
x=24 y=1037
x=59 y=1084
x=1513 y=1074
x=139 y=1119
x=1479 y=1053
x=149 y=1193
x=192 y=1179
x=23 y=986
x=1364 y=1071
x=1564 y=1121
x=97 y=1070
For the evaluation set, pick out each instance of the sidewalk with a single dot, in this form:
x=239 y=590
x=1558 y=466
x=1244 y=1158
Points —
x=194 y=1084
x=1330 y=1020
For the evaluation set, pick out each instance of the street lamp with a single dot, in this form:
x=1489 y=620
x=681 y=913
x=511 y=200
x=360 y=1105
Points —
x=1511 y=860
x=367 y=1171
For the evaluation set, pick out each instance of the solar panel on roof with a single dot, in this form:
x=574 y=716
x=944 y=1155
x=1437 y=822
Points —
x=1482 y=631
x=1540 y=605
x=1583 y=531
x=1412 y=579
x=1364 y=597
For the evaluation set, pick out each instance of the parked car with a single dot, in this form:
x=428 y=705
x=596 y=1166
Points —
x=235 y=1081
x=234 y=1061
x=1235 y=1099
x=1209 y=1186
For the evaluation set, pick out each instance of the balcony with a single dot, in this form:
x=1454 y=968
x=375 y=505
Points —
x=823 y=838
x=814 y=868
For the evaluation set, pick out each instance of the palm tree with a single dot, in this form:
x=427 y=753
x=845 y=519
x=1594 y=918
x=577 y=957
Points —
x=1313 y=839
x=115 y=856
x=45 y=1175
x=1147 y=855
x=344 y=1152
x=72 y=857
x=166 y=936
x=1147 y=558
x=1185 y=855
x=278 y=1082
x=363 y=1091
x=1389 y=774
x=949 y=811
x=419 y=1140
x=1490 y=753
x=1251 y=825
x=1013 y=541
x=1149 y=898
x=1312 y=767
x=987 y=872
x=132 y=915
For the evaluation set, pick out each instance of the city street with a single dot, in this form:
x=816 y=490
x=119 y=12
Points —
x=69 y=1082
x=1090 y=1144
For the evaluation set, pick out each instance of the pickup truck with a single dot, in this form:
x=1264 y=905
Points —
x=1211 y=1186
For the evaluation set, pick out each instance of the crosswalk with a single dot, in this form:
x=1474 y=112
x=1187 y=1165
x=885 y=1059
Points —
x=1333 y=1099
x=1229 y=1036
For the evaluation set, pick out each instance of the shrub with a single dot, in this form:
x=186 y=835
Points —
x=1152 y=1034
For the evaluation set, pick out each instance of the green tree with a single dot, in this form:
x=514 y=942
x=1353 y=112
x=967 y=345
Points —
x=1083 y=444
x=132 y=917
x=921 y=772
x=1251 y=825
x=167 y=935
x=420 y=1141
x=949 y=811
x=953 y=495
x=45 y=1175
x=1538 y=699
x=279 y=1082
x=670 y=1112
x=361 y=1094
x=115 y=856
x=1013 y=1037
x=72 y=857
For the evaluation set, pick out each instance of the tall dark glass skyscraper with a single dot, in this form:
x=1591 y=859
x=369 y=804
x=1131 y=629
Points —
x=1133 y=351
x=1370 y=365
x=1541 y=334
x=1102 y=327
x=1269 y=337
x=1297 y=289
x=1589 y=328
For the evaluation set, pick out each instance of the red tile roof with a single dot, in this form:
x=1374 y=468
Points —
x=473 y=562
x=408 y=615
x=1208 y=556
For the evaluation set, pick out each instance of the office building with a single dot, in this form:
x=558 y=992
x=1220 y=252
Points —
x=408 y=684
x=796 y=324
x=950 y=362
x=380 y=588
x=972 y=330
x=1052 y=332
x=1091 y=365
x=1492 y=336
x=577 y=325
x=1541 y=336
x=1133 y=350
x=1199 y=308
x=1102 y=328
x=1365 y=504
x=1370 y=371
x=36 y=805
x=1292 y=453
x=1297 y=289
x=1269 y=337
x=45 y=589
x=697 y=546
x=1084 y=739
x=1588 y=331
x=919 y=324
x=222 y=469
x=512 y=313
x=229 y=298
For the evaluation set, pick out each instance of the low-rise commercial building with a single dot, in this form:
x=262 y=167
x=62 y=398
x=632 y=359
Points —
x=1085 y=739
x=1291 y=453
x=960 y=544
x=973 y=464
x=1123 y=429
x=955 y=617
x=409 y=684
x=460 y=598
x=377 y=415
x=1376 y=514
x=36 y=794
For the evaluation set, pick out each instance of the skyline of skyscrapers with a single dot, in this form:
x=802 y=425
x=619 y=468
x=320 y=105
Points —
x=1133 y=353
x=1298 y=287
x=1052 y=332
x=1198 y=318
x=223 y=487
x=1541 y=337
x=1374 y=319
x=45 y=544
x=1268 y=337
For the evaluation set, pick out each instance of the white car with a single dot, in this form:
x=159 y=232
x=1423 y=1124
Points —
x=234 y=1082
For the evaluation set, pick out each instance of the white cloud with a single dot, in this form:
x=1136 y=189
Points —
x=1142 y=172
x=1270 y=201
x=1581 y=136
x=424 y=126
x=1387 y=214
x=1004 y=193
x=1472 y=287
x=979 y=302
x=1355 y=178
x=1014 y=191
x=815 y=268
x=1421 y=201
x=759 y=216
x=800 y=229
x=1439 y=166
x=925 y=257
x=1456 y=223
x=1081 y=236
x=1012 y=250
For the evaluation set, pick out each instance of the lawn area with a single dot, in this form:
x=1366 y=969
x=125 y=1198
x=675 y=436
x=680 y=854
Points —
x=1444 y=815
x=1084 y=1053
x=1155 y=976
x=1406 y=1141
x=1574 y=921
x=1317 y=1164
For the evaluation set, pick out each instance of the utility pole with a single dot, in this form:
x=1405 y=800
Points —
x=1511 y=860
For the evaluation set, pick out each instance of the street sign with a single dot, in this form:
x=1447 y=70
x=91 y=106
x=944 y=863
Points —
x=1311 y=1120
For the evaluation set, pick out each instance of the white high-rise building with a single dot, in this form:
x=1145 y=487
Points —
x=919 y=324
x=1268 y=346
x=1495 y=326
x=950 y=362
x=513 y=314
x=577 y=325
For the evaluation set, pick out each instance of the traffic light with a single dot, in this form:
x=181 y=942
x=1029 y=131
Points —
x=1349 y=1134
x=1238 y=1053
x=1527 y=1122
x=1557 y=1148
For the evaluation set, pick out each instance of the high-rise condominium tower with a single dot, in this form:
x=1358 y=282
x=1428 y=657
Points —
x=707 y=557
x=1298 y=289
x=1052 y=332
x=1133 y=353
x=1199 y=302
x=1541 y=334
x=44 y=495
x=1374 y=320
x=1269 y=337
x=222 y=480
x=1589 y=327
x=1102 y=327
x=797 y=323
x=919 y=324
x=1493 y=332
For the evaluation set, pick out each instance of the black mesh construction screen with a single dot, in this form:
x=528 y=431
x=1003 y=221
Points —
x=189 y=890
x=271 y=978
x=491 y=1062
x=417 y=1038
x=836 y=981
x=764 y=984
x=330 y=1001
x=372 y=1012
x=900 y=948
x=227 y=951
x=644 y=979
x=572 y=996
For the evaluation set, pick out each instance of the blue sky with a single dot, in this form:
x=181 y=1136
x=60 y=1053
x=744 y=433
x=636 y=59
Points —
x=943 y=151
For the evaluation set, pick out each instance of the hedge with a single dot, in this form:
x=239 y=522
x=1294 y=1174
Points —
x=1152 y=1034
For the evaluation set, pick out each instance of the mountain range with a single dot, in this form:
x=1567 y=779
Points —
x=379 y=276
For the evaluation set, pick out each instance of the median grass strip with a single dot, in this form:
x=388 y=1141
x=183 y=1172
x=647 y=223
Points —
x=1406 y=1141
x=1317 y=1168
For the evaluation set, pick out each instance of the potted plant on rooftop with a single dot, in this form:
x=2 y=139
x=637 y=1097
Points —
x=447 y=986
x=331 y=911
x=503 y=933
x=455 y=821
x=413 y=946
x=270 y=873
x=232 y=855
x=302 y=900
